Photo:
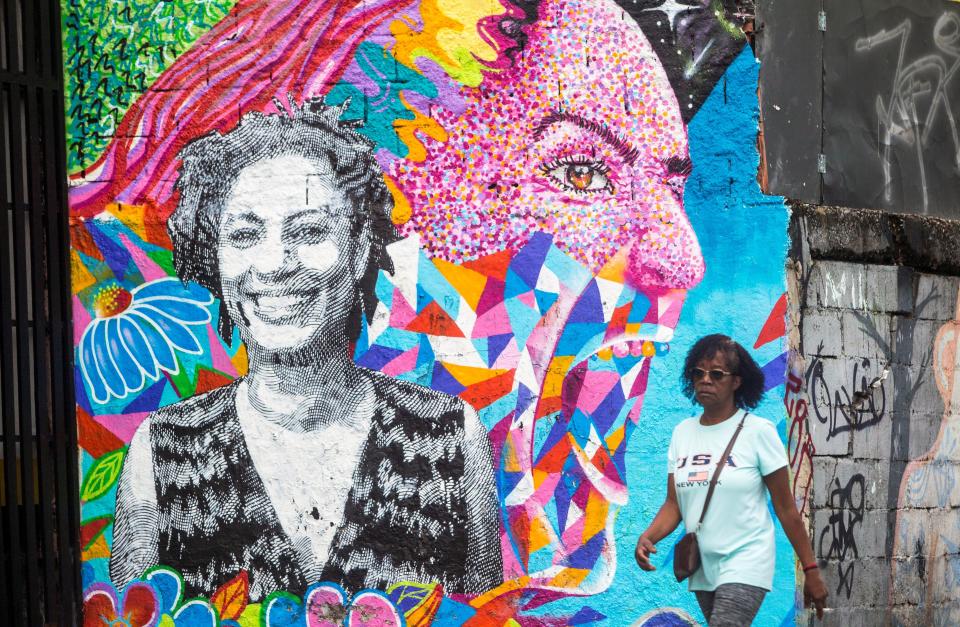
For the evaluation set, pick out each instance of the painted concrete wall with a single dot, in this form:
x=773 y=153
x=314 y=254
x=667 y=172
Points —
x=872 y=402
x=380 y=307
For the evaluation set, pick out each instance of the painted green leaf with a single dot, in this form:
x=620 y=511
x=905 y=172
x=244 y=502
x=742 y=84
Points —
x=102 y=475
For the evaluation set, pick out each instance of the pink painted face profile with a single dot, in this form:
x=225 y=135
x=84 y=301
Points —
x=582 y=139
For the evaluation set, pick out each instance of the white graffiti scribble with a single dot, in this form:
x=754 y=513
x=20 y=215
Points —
x=900 y=116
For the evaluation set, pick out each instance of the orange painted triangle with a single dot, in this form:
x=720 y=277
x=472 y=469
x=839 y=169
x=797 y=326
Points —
x=468 y=283
x=434 y=321
x=494 y=265
x=210 y=380
x=131 y=216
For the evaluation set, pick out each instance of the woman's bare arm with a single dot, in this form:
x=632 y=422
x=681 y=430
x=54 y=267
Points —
x=663 y=525
x=778 y=483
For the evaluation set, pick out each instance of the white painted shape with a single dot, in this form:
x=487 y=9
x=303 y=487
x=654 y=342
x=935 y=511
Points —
x=609 y=294
x=523 y=491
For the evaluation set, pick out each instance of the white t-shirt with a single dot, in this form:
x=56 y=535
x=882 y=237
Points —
x=736 y=539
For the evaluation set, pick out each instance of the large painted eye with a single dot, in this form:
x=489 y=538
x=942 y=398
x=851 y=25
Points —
x=579 y=175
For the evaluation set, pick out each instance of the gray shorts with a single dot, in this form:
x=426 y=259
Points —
x=731 y=604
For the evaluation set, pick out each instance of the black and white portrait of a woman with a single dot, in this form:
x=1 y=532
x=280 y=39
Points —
x=309 y=468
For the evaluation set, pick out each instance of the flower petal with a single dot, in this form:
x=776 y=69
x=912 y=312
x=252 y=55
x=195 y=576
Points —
x=180 y=310
x=140 y=605
x=372 y=609
x=88 y=365
x=196 y=613
x=177 y=334
x=105 y=364
x=282 y=609
x=172 y=288
x=129 y=371
x=99 y=605
x=138 y=347
x=324 y=605
x=169 y=586
x=158 y=342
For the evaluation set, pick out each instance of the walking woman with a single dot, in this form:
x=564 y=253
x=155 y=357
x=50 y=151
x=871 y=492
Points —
x=735 y=534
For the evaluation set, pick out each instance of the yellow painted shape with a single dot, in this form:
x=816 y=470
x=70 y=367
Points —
x=450 y=37
x=250 y=616
x=594 y=516
x=468 y=375
x=615 y=268
x=80 y=277
x=507 y=586
x=407 y=132
x=132 y=216
x=96 y=550
x=538 y=477
x=468 y=283
x=240 y=362
x=615 y=439
x=401 y=206
x=540 y=534
x=553 y=382
x=569 y=578
x=167 y=621
x=510 y=461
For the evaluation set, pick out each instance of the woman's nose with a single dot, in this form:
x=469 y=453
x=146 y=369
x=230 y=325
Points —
x=667 y=255
x=270 y=256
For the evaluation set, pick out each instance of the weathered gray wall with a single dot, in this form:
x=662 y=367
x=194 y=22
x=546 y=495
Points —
x=874 y=301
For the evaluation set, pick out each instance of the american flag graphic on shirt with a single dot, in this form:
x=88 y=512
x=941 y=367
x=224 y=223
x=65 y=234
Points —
x=698 y=476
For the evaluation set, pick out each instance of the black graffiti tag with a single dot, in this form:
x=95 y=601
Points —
x=846 y=408
x=846 y=512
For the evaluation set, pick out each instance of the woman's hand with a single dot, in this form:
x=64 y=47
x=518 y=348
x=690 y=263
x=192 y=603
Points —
x=644 y=548
x=814 y=591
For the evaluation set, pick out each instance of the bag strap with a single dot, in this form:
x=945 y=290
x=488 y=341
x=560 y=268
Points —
x=716 y=473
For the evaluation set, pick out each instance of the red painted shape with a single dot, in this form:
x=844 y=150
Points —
x=210 y=380
x=93 y=437
x=482 y=394
x=494 y=265
x=776 y=324
x=434 y=321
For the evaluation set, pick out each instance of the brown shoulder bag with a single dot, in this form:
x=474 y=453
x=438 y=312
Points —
x=686 y=555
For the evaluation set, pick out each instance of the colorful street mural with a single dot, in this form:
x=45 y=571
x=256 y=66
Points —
x=380 y=307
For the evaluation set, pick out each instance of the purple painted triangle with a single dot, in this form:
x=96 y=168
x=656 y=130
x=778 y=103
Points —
x=148 y=400
x=530 y=259
x=588 y=307
x=524 y=398
x=495 y=346
x=443 y=381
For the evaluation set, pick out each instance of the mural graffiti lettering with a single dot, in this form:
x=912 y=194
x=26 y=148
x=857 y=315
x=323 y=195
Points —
x=850 y=407
x=800 y=446
x=919 y=92
x=838 y=538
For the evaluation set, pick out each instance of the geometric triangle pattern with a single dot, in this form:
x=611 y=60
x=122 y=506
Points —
x=560 y=394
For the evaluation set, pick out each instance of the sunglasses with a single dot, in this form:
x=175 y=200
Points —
x=715 y=375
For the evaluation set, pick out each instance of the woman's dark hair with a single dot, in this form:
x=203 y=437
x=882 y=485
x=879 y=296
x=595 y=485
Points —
x=315 y=131
x=750 y=392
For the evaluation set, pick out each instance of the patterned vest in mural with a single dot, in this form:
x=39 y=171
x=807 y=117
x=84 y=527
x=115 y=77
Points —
x=405 y=517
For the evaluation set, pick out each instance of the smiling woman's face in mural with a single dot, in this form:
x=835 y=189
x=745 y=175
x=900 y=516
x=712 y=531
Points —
x=284 y=250
x=582 y=139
